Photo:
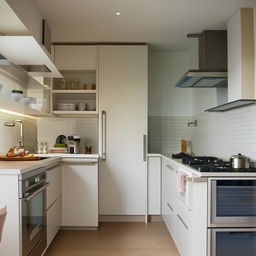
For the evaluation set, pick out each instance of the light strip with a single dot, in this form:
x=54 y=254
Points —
x=15 y=113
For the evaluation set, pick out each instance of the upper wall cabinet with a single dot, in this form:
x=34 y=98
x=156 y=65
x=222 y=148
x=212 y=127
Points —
x=76 y=57
x=76 y=93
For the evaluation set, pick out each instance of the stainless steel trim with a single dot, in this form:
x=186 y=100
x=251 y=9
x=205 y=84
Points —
x=37 y=192
x=144 y=148
x=225 y=221
x=31 y=173
x=212 y=236
x=196 y=179
x=104 y=127
x=182 y=221
x=169 y=206
x=169 y=167
x=35 y=231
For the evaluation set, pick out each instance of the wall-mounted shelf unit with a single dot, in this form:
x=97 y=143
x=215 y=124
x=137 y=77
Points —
x=78 y=87
x=8 y=104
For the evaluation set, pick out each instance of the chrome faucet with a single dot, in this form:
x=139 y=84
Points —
x=12 y=124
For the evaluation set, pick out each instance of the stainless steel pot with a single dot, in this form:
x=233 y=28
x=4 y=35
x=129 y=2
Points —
x=239 y=161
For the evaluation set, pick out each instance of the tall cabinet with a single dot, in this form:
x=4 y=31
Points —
x=123 y=98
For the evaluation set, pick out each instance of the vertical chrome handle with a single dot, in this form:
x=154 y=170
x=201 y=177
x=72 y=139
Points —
x=103 y=132
x=144 y=148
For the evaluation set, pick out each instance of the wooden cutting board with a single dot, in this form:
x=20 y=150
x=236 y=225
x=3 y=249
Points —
x=18 y=158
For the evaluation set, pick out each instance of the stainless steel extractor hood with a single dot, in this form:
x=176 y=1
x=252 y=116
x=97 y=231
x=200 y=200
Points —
x=212 y=70
x=241 y=62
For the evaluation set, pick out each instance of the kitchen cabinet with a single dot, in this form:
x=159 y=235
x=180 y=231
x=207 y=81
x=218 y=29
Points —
x=185 y=214
x=123 y=105
x=53 y=191
x=80 y=193
x=53 y=220
x=76 y=57
x=78 y=65
x=154 y=185
x=53 y=201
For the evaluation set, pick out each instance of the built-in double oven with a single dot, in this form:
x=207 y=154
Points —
x=232 y=217
x=32 y=195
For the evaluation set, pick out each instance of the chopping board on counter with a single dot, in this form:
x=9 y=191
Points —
x=18 y=158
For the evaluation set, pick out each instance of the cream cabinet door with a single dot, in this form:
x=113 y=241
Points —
x=80 y=195
x=76 y=57
x=123 y=83
x=154 y=185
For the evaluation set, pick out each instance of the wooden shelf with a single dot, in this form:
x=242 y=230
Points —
x=73 y=91
x=8 y=104
x=59 y=112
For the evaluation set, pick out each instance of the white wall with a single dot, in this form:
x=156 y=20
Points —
x=165 y=68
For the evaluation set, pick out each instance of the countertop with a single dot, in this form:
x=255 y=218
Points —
x=21 y=167
x=194 y=172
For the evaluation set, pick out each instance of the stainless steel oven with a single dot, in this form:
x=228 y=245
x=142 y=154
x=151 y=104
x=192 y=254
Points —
x=32 y=193
x=232 y=202
x=232 y=242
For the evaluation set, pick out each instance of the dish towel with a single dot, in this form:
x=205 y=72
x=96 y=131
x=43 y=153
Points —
x=180 y=183
x=3 y=213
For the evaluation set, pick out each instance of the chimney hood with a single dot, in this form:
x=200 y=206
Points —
x=241 y=61
x=212 y=70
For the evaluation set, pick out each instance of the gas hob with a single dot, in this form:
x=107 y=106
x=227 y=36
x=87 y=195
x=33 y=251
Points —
x=209 y=164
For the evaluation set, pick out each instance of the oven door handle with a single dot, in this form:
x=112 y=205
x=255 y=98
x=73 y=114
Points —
x=37 y=192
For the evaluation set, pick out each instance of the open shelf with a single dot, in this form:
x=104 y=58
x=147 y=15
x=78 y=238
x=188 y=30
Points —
x=77 y=112
x=74 y=91
x=8 y=104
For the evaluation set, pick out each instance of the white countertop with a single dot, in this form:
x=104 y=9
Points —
x=187 y=168
x=69 y=155
x=21 y=167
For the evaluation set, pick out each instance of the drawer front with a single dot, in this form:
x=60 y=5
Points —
x=53 y=221
x=54 y=189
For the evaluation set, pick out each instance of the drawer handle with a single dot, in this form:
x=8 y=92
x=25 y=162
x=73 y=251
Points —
x=182 y=221
x=169 y=167
x=169 y=206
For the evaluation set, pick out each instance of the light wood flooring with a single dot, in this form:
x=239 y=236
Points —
x=115 y=239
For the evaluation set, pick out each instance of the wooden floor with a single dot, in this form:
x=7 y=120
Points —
x=115 y=239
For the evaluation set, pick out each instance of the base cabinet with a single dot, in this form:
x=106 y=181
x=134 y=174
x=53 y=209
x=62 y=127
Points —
x=186 y=221
x=53 y=220
x=80 y=194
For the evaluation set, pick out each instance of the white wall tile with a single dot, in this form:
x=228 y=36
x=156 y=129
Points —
x=87 y=128
x=10 y=135
x=225 y=134
x=166 y=132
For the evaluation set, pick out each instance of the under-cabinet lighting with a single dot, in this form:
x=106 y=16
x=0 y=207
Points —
x=15 y=113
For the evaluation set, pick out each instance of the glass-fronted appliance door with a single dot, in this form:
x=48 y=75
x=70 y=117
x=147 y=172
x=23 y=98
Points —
x=33 y=221
x=233 y=242
x=233 y=203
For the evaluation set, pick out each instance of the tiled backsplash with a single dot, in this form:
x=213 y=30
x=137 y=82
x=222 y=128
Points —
x=10 y=135
x=166 y=132
x=87 y=128
x=225 y=134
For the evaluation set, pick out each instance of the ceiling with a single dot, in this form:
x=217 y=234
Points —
x=163 y=24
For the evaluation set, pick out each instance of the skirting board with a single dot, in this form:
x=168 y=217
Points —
x=129 y=218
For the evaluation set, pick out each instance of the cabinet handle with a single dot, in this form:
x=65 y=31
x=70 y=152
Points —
x=144 y=148
x=169 y=206
x=103 y=132
x=182 y=221
x=169 y=167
